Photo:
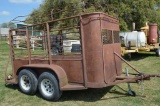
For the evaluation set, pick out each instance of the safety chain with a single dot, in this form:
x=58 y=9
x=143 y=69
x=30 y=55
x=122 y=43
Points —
x=141 y=84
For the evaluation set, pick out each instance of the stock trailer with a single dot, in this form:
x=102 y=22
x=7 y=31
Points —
x=84 y=54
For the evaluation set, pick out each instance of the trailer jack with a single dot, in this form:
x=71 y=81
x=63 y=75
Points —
x=130 y=92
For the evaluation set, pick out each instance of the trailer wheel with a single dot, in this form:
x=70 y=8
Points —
x=158 y=52
x=27 y=81
x=48 y=87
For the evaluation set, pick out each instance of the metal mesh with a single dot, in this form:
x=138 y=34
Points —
x=107 y=36
x=116 y=36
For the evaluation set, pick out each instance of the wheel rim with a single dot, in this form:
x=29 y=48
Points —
x=25 y=82
x=47 y=87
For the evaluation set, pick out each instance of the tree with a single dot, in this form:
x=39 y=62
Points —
x=128 y=11
x=8 y=25
x=138 y=11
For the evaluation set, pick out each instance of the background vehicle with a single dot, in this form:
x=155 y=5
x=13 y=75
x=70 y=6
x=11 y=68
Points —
x=141 y=41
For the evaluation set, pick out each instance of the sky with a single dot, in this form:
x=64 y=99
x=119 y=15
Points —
x=10 y=9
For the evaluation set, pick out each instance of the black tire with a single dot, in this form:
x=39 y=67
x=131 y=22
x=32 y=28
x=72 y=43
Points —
x=48 y=87
x=158 y=52
x=27 y=81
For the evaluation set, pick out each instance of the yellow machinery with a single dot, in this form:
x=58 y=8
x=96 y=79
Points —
x=138 y=41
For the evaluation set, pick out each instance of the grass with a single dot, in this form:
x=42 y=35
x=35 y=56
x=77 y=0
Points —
x=112 y=96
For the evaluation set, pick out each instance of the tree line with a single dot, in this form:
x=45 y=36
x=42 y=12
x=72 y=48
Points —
x=8 y=25
x=128 y=11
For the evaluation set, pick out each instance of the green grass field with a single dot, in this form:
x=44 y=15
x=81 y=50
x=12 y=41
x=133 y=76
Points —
x=111 y=96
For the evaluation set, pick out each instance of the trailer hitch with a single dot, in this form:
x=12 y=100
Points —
x=139 y=77
x=139 y=73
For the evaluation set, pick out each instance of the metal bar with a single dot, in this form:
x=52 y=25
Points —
x=49 y=46
x=112 y=36
x=6 y=68
x=28 y=45
x=11 y=45
x=127 y=63
x=123 y=77
x=66 y=28
x=67 y=33
x=11 y=52
x=8 y=61
x=129 y=86
x=130 y=80
x=131 y=73
x=153 y=75
x=72 y=59
x=45 y=43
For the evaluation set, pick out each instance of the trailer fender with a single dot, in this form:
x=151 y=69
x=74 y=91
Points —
x=59 y=71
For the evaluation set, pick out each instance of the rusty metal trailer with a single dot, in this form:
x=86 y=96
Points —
x=53 y=67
